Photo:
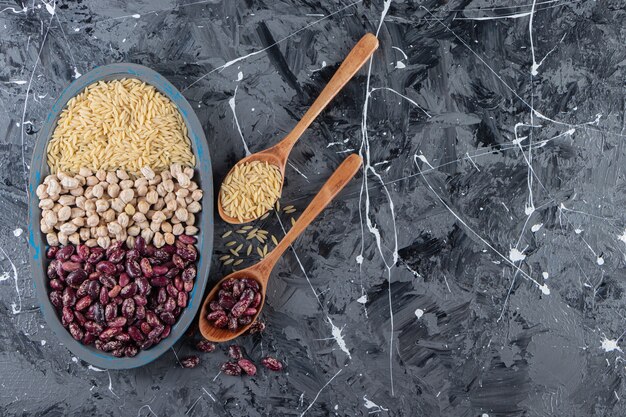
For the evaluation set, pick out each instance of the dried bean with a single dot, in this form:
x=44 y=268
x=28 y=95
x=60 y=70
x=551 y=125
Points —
x=67 y=316
x=146 y=268
x=83 y=303
x=168 y=318
x=160 y=270
x=69 y=266
x=110 y=311
x=189 y=274
x=129 y=290
x=215 y=306
x=128 y=308
x=205 y=346
x=51 y=252
x=272 y=364
x=235 y=352
x=115 y=291
x=76 y=331
x=131 y=351
x=56 y=298
x=124 y=280
x=135 y=334
x=65 y=253
x=233 y=324
x=69 y=297
x=247 y=366
x=231 y=368
x=178 y=261
x=132 y=268
x=56 y=284
x=190 y=362
x=182 y=299
x=110 y=332
x=93 y=327
x=75 y=278
x=159 y=281
x=117 y=322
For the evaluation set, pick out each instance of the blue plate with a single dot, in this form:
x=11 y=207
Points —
x=39 y=170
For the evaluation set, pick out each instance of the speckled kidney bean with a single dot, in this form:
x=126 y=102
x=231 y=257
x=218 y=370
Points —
x=156 y=332
x=82 y=289
x=65 y=253
x=69 y=297
x=93 y=327
x=169 y=305
x=189 y=274
x=181 y=301
x=107 y=280
x=247 y=366
x=190 y=361
x=129 y=290
x=123 y=279
x=159 y=281
x=131 y=351
x=123 y=337
x=206 y=346
x=56 y=298
x=146 y=267
x=88 y=338
x=56 y=284
x=110 y=311
x=115 y=291
x=233 y=324
x=83 y=252
x=168 y=318
x=117 y=322
x=179 y=284
x=272 y=364
x=106 y=267
x=51 y=271
x=171 y=290
x=160 y=270
x=67 y=315
x=140 y=300
x=83 y=303
x=75 y=278
x=244 y=320
x=110 y=332
x=112 y=345
x=135 y=334
x=76 y=331
x=178 y=261
x=214 y=315
x=188 y=286
x=128 y=308
x=145 y=328
x=117 y=256
x=140 y=312
x=80 y=318
x=221 y=322
x=132 y=268
x=51 y=252
x=143 y=286
x=235 y=351
x=231 y=368
x=70 y=266
x=226 y=300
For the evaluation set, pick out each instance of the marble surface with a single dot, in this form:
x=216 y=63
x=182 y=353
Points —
x=474 y=268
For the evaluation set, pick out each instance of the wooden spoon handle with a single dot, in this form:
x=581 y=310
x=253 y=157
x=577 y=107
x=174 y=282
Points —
x=357 y=57
x=331 y=188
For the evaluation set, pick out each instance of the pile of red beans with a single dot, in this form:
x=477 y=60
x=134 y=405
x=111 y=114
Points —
x=121 y=300
x=236 y=305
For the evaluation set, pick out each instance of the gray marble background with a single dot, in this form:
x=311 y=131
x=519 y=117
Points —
x=476 y=269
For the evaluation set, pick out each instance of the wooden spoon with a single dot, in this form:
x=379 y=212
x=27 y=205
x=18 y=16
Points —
x=277 y=155
x=261 y=271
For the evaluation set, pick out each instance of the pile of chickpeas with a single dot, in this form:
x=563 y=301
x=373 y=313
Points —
x=100 y=208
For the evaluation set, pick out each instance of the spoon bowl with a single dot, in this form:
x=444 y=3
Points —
x=261 y=271
x=278 y=154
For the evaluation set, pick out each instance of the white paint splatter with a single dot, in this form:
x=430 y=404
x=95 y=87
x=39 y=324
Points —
x=76 y=29
x=18 y=232
x=578 y=231
x=515 y=255
x=535 y=228
x=18 y=82
x=544 y=289
x=423 y=159
x=359 y=258
x=4 y=276
x=623 y=237
x=419 y=313
x=231 y=103
x=600 y=260
x=93 y=368
x=338 y=336
x=136 y=16
x=400 y=65
x=239 y=76
x=43 y=343
x=362 y=299
x=50 y=7
x=319 y=392
x=610 y=345
x=15 y=308
x=369 y=404
x=545 y=275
